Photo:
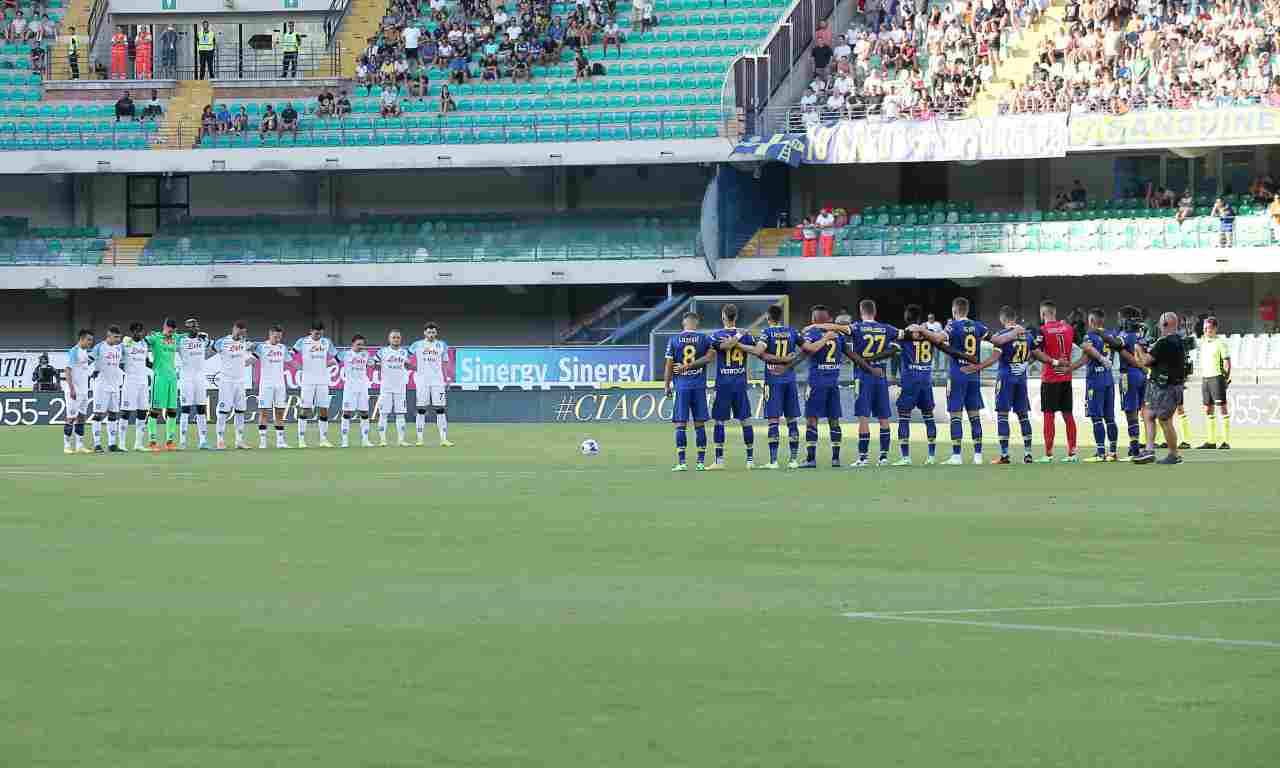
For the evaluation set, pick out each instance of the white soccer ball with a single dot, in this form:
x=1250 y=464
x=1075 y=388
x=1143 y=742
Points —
x=589 y=447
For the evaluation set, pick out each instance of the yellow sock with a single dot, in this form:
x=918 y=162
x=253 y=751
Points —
x=1226 y=427
x=1184 y=426
x=1212 y=418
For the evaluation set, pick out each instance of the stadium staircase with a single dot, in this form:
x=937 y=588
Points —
x=185 y=108
x=1020 y=62
x=125 y=251
x=766 y=242
x=363 y=21
x=75 y=14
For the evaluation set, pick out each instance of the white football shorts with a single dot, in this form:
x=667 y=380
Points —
x=231 y=397
x=314 y=396
x=106 y=399
x=193 y=391
x=392 y=402
x=433 y=396
x=272 y=396
x=355 y=398
x=136 y=396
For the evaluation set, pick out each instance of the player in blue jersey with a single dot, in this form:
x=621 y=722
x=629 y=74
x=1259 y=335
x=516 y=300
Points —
x=1013 y=351
x=824 y=350
x=1100 y=388
x=688 y=355
x=964 y=393
x=778 y=345
x=870 y=339
x=1132 y=376
x=732 y=345
x=916 y=384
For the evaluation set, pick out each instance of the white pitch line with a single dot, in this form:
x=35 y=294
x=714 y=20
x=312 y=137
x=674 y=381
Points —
x=1080 y=607
x=1067 y=630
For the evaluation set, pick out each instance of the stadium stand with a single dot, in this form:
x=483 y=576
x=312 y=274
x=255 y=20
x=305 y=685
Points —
x=919 y=65
x=21 y=245
x=662 y=82
x=957 y=228
x=423 y=239
x=1119 y=57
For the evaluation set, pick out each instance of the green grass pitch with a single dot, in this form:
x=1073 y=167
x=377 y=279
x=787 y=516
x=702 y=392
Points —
x=509 y=602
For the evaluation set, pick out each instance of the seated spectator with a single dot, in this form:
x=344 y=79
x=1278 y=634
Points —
x=582 y=67
x=37 y=57
x=459 y=71
x=324 y=104
x=419 y=81
x=222 y=116
x=240 y=123
x=124 y=107
x=612 y=34
x=489 y=68
x=447 y=103
x=520 y=70
x=17 y=29
x=270 y=122
x=1186 y=206
x=364 y=75
x=343 y=107
x=390 y=102
x=289 y=120
x=208 y=123
x=153 y=109
x=1079 y=196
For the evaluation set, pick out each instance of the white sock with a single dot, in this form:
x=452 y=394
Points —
x=280 y=443
x=364 y=430
x=346 y=427
x=66 y=440
x=324 y=428
x=96 y=428
x=239 y=419
x=442 y=426
x=183 y=420
x=202 y=427
x=382 y=426
x=302 y=431
x=421 y=423
x=79 y=441
x=111 y=433
x=222 y=426
x=140 y=429
x=262 y=435
x=400 y=426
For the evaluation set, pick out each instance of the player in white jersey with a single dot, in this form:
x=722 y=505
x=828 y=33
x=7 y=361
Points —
x=135 y=398
x=234 y=359
x=314 y=352
x=108 y=369
x=429 y=355
x=273 y=398
x=355 y=390
x=75 y=382
x=394 y=362
x=193 y=348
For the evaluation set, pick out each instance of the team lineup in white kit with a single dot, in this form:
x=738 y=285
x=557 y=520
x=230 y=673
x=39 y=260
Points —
x=123 y=380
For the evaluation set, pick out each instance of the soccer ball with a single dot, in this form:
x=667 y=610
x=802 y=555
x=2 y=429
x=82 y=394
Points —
x=589 y=447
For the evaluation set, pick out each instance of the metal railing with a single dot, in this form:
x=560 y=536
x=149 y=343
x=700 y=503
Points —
x=333 y=18
x=1139 y=100
x=170 y=251
x=252 y=64
x=54 y=252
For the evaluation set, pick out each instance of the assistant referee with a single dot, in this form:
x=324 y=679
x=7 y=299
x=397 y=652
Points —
x=1215 y=375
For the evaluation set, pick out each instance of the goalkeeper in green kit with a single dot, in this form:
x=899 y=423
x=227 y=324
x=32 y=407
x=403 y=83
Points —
x=164 y=385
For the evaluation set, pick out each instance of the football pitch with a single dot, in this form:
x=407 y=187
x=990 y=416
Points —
x=509 y=602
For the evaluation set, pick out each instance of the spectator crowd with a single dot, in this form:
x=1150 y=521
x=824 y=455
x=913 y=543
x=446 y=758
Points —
x=1118 y=56
x=905 y=58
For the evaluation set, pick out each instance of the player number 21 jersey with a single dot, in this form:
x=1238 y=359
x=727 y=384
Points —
x=315 y=354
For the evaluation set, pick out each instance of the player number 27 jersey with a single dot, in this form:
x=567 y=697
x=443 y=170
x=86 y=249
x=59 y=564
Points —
x=429 y=358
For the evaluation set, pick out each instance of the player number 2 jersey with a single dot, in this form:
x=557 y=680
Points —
x=395 y=369
x=824 y=365
x=315 y=354
x=271 y=360
x=429 y=357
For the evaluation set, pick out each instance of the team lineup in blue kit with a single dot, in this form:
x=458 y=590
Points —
x=825 y=345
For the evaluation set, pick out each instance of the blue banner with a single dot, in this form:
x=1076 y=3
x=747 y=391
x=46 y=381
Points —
x=786 y=148
x=546 y=366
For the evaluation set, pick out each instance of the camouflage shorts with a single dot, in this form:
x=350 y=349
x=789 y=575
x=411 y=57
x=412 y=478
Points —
x=1162 y=402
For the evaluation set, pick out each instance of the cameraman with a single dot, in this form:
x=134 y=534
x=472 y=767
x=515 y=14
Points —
x=45 y=377
x=1167 y=359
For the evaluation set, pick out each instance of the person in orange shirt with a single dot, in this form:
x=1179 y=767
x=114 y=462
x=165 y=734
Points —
x=119 y=55
x=142 y=56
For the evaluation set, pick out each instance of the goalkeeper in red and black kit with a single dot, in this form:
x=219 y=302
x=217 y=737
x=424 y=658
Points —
x=1053 y=348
